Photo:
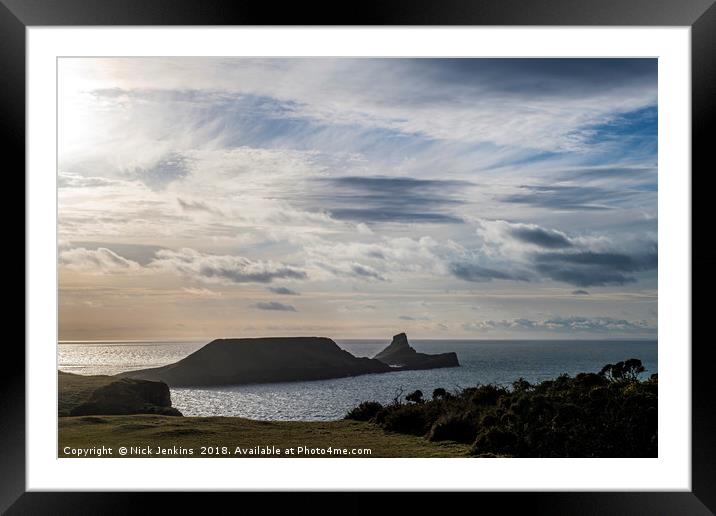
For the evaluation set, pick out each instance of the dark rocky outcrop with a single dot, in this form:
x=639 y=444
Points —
x=285 y=359
x=262 y=360
x=400 y=354
x=128 y=396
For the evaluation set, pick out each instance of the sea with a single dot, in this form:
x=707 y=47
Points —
x=481 y=362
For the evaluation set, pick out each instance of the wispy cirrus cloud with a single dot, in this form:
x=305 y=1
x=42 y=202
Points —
x=570 y=198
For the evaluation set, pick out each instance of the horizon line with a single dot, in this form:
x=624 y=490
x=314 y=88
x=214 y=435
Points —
x=188 y=340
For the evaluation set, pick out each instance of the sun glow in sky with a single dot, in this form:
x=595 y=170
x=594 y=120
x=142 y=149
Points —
x=448 y=198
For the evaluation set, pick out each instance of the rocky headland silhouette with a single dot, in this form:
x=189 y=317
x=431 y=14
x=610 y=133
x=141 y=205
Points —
x=286 y=359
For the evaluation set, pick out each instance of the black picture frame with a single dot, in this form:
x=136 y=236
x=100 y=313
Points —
x=700 y=15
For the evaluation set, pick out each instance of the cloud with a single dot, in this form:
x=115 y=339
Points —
x=283 y=291
x=196 y=206
x=365 y=271
x=275 y=306
x=412 y=318
x=386 y=256
x=352 y=270
x=570 y=198
x=506 y=251
x=513 y=240
x=584 y=261
x=69 y=180
x=367 y=178
x=363 y=229
x=539 y=103
x=224 y=268
x=589 y=268
x=477 y=273
x=558 y=78
x=202 y=292
x=564 y=324
x=143 y=254
x=97 y=261
x=540 y=237
x=171 y=167
x=374 y=199
x=357 y=308
x=637 y=174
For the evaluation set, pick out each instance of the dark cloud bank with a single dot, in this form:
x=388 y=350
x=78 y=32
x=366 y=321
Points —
x=275 y=306
x=373 y=199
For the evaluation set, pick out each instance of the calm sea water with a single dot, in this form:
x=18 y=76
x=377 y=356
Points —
x=482 y=361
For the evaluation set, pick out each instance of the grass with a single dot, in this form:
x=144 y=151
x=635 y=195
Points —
x=215 y=433
x=75 y=389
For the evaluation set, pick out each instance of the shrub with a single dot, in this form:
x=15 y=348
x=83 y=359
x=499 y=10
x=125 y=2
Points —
x=488 y=420
x=439 y=393
x=415 y=396
x=627 y=371
x=609 y=414
x=521 y=385
x=487 y=394
x=454 y=427
x=495 y=440
x=366 y=411
x=406 y=419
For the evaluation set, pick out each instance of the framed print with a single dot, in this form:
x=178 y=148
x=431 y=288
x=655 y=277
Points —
x=422 y=249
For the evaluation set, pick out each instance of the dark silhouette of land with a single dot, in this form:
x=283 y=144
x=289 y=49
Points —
x=105 y=395
x=400 y=354
x=285 y=359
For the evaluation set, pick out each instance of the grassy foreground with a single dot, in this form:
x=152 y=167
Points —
x=237 y=437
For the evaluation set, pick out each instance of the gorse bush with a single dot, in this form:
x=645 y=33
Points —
x=415 y=396
x=454 y=427
x=365 y=411
x=440 y=393
x=405 y=418
x=607 y=414
x=623 y=371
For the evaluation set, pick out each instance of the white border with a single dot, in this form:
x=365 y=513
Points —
x=671 y=471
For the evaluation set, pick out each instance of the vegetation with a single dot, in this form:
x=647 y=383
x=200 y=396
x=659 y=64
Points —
x=612 y=413
x=74 y=390
x=216 y=433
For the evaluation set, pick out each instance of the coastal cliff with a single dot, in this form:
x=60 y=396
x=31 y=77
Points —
x=80 y=395
x=401 y=355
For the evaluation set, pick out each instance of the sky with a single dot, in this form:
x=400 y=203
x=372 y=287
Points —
x=202 y=198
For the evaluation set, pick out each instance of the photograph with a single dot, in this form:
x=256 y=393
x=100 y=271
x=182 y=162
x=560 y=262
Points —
x=357 y=257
